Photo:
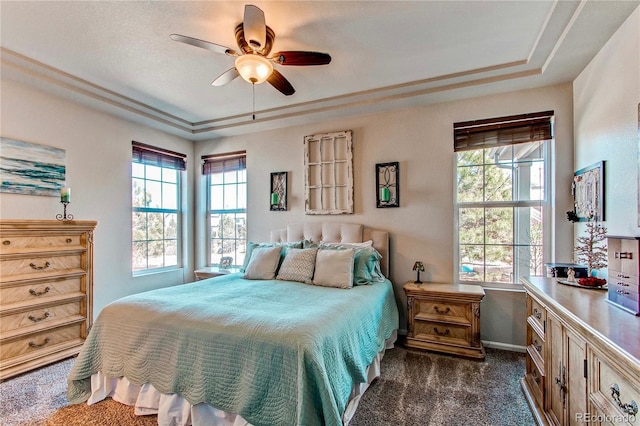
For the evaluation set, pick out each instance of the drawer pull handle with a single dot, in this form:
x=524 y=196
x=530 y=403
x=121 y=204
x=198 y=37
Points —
x=623 y=276
x=40 y=293
x=623 y=284
x=38 y=268
x=441 y=333
x=68 y=240
x=6 y=243
x=535 y=377
x=536 y=313
x=39 y=345
x=446 y=311
x=622 y=292
x=623 y=255
x=38 y=319
x=537 y=345
x=631 y=408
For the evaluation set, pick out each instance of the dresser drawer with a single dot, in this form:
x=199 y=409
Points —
x=38 y=291
x=535 y=344
x=29 y=244
x=442 y=311
x=626 y=297
x=42 y=342
x=442 y=333
x=40 y=266
x=535 y=378
x=39 y=317
x=537 y=313
x=614 y=392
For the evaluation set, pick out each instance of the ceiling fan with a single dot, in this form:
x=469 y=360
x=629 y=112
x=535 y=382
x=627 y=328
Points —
x=253 y=62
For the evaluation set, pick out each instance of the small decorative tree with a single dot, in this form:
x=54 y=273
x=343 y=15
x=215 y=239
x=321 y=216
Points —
x=590 y=248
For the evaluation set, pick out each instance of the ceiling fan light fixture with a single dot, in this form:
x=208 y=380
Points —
x=255 y=69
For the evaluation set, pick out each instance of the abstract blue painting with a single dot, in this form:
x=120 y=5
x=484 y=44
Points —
x=29 y=168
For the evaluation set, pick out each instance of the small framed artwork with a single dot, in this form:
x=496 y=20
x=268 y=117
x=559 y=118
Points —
x=278 y=191
x=387 y=185
x=588 y=193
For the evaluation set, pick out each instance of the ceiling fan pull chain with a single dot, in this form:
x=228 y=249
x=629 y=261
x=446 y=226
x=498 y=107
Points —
x=253 y=95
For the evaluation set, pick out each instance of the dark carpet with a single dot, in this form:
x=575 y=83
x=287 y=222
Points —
x=416 y=388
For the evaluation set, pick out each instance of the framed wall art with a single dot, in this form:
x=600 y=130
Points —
x=32 y=169
x=279 y=181
x=387 y=185
x=588 y=193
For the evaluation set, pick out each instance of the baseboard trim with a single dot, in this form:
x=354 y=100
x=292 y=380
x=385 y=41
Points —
x=504 y=346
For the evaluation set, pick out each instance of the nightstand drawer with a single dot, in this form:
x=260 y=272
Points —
x=443 y=333
x=456 y=313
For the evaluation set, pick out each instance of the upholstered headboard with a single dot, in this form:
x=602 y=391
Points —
x=335 y=232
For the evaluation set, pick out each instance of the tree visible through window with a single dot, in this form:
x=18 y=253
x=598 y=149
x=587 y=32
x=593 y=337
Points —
x=501 y=197
x=227 y=198
x=156 y=201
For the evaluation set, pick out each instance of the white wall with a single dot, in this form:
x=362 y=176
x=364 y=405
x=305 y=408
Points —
x=98 y=169
x=606 y=96
x=421 y=139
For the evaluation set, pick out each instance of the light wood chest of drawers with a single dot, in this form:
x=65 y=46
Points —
x=46 y=283
x=583 y=356
x=445 y=318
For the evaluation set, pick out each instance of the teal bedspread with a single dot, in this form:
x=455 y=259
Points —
x=275 y=352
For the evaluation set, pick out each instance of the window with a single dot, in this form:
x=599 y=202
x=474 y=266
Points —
x=155 y=190
x=501 y=197
x=227 y=213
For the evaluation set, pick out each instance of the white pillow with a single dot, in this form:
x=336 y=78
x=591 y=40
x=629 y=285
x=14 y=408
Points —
x=298 y=265
x=263 y=263
x=334 y=268
x=347 y=245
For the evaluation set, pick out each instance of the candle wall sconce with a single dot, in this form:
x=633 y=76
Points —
x=278 y=194
x=387 y=185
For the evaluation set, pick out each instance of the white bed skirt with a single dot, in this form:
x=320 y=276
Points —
x=173 y=410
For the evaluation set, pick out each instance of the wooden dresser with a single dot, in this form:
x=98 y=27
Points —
x=583 y=356
x=445 y=318
x=46 y=283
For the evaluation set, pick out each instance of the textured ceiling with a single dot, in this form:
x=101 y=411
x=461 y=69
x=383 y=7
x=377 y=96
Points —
x=117 y=56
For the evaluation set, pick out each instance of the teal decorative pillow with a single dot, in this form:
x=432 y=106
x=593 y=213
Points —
x=298 y=265
x=284 y=245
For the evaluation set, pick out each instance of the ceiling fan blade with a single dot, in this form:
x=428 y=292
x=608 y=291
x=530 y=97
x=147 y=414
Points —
x=255 y=28
x=294 y=57
x=226 y=77
x=216 y=48
x=278 y=81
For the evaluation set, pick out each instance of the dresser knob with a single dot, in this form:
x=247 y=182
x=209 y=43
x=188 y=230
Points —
x=628 y=408
x=38 y=319
x=69 y=240
x=444 y=312
x=441 y=333
x=39 y=345
x=6 y=243
x=38 y=268
x=40 y=293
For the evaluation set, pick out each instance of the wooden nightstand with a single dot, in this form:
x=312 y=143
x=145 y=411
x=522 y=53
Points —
x=213 y=271
x=445 y=318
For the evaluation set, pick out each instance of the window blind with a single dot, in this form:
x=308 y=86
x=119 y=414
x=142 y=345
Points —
x=494 y=132
x=220 y=163
x=153 y=156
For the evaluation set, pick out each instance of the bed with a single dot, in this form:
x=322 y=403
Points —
x=236 y=351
